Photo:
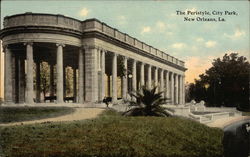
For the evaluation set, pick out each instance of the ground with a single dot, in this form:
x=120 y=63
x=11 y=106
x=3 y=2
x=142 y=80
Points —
x=111 y=134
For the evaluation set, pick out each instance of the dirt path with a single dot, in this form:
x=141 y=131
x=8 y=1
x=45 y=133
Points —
x=79 y=114
x=223 y=122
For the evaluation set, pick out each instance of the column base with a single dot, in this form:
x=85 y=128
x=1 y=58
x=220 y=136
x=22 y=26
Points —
x=8 y=103
x=60 y=102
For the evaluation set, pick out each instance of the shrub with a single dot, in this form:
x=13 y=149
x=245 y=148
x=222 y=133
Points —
x=147 y=103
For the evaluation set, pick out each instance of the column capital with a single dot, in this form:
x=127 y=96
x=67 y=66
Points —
x=30 y=43
x=114 y=54
x=125 y=57
x=60 y=44
x=103 y=50
x=134 y=61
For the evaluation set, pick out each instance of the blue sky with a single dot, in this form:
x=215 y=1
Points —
x=156 y=23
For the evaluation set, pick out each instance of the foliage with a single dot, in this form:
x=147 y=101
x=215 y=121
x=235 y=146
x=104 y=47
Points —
x=45 y=79
x=69 y=81
x=44 y=76
x=147 y=103
x=113 y=135
x=122 y=70
x=226 y=83
x=17 y=114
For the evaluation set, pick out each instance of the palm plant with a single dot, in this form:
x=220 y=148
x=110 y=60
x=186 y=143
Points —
x=147 y=103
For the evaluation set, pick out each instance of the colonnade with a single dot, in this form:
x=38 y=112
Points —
x=91 y=76
x=168 y=82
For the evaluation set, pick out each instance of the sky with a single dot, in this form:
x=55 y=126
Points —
x=157 y=23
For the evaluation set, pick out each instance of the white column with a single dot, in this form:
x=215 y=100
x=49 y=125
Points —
x=29 y=94
x=167 y=85
x=38 y=86
x=59 y=73
x=142 y=75
x=91 y=74
x=149 y=85
x=80 y=77
x=125 y=79
x=161 y=82
x=8 y=76
x=134 y=76
x=177 y=89
x=103 y=74
x=172 y=88
x=181 y=91
x=156 y=79
x=114 y=78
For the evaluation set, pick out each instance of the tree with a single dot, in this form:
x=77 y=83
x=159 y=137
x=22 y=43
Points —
x=44 y=76
x=147 y=103
x=69 y=81
x=226 y=83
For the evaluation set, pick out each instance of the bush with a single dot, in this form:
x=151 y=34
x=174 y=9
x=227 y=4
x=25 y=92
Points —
x=112 y=135
x=147 y=103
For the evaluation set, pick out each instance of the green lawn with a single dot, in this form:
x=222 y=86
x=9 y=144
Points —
x=112 y=135
x=17 y=114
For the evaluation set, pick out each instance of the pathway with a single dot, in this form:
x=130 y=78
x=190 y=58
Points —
x=223 y=122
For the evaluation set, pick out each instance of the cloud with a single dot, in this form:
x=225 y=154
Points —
x=121 y=20
x=178 y=45
x=237 y=34
x=199 y=39
x=169 y=33
x=164 y=27
x=145 y=29
x=210 y=44
x=84 y=12
x=161 y=26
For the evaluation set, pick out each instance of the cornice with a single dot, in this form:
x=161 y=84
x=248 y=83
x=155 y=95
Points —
x=38 y=29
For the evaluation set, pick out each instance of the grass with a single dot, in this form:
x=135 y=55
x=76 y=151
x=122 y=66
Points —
x=17 y=114
x=112 y=135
